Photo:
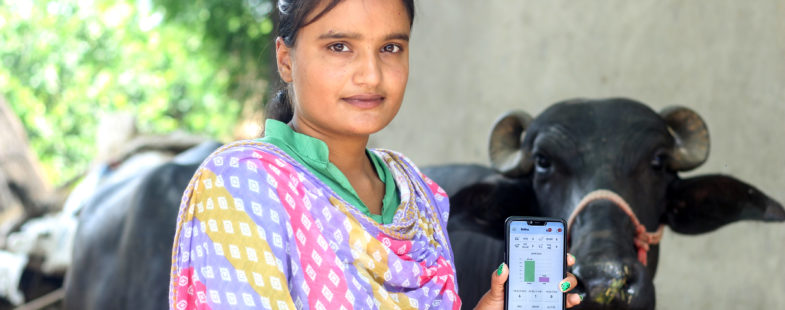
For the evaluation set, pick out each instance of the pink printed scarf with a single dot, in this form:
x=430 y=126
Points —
x=257 y=230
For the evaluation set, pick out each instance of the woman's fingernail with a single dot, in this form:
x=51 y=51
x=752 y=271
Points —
x=565 y=286
x=580 y=296
x=501 y=268
x=573 y=256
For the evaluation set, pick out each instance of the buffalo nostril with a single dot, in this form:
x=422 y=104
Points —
x=615 y=285
x=615 y=290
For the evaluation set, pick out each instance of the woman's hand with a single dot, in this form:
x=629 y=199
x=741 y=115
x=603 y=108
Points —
x=494 y=298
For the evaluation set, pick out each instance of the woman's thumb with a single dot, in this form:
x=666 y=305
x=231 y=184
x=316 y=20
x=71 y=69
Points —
x=494 y=298
x=497 y=282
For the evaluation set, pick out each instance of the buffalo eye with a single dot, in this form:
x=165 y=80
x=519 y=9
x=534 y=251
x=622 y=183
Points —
x=658 y=163
x=542 y=162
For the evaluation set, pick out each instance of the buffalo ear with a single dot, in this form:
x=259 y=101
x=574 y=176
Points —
x=704 y=203
x=485 y=205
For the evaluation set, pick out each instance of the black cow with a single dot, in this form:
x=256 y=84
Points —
x=608 y=167
x=123 y=247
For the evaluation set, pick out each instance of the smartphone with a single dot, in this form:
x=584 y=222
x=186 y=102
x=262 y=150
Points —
x=535 y=253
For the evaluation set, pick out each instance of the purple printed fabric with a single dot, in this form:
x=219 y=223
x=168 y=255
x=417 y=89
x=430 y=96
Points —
x=257 y=230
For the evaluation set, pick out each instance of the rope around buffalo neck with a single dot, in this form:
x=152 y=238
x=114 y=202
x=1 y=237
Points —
x=643 y=238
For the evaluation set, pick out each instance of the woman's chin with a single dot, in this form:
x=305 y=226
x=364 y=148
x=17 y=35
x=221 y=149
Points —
x=366 y=128
x=367 y=123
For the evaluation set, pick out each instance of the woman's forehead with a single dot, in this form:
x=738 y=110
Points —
x=360 y=19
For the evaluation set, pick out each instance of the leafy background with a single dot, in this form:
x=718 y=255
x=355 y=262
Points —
x=198 y=66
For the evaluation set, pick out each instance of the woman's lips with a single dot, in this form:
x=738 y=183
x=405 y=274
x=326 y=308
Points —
x=364 y=101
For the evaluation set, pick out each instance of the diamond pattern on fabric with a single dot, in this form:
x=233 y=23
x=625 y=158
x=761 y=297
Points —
x=257 y=229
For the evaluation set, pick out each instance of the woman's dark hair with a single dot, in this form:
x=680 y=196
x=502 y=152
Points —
x=292 y=16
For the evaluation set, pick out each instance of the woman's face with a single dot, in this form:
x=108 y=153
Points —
x=348 y=69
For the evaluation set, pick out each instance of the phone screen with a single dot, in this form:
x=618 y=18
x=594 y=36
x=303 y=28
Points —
x=536 y=260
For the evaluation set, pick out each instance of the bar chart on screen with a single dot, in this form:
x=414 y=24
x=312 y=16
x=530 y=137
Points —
x=536 y=269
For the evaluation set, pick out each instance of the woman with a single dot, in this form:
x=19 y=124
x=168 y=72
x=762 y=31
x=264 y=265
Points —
x=308 y=217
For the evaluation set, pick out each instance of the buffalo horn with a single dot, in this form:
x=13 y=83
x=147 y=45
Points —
x=691 y=135
x=504 y=148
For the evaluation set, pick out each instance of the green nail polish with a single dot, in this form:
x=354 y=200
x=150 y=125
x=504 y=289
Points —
x=565 y=286
x=581 y=296
x=501 y=268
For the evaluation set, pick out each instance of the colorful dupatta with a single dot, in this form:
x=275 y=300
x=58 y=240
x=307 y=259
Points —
x=257 y=230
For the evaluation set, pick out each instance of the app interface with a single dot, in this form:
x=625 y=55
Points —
x=536 y=262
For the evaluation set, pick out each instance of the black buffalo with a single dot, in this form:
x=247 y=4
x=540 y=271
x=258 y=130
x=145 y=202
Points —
x=123 y=248
x=608 y=167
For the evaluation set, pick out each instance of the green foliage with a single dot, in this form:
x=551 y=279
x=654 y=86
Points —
x=63 y=63
x=241 y=31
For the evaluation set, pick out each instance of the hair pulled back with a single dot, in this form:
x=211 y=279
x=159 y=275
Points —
x=292 y=16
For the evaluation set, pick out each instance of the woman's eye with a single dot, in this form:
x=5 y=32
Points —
x=338 y=47
x=391 y=48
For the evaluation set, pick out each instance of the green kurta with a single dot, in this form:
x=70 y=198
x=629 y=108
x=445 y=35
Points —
x=314 y=155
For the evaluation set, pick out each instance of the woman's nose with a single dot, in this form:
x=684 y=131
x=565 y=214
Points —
x=368 y=71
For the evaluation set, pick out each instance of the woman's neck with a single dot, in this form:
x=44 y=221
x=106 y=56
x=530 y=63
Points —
x=346 y=152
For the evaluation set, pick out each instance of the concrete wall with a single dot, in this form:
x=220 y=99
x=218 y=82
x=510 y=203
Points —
x=473 y=60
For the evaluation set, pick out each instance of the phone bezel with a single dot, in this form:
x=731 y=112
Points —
x=507 y=225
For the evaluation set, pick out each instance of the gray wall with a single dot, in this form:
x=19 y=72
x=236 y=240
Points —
x=473 y=60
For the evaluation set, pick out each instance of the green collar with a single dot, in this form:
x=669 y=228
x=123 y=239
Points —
x=315 y=155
